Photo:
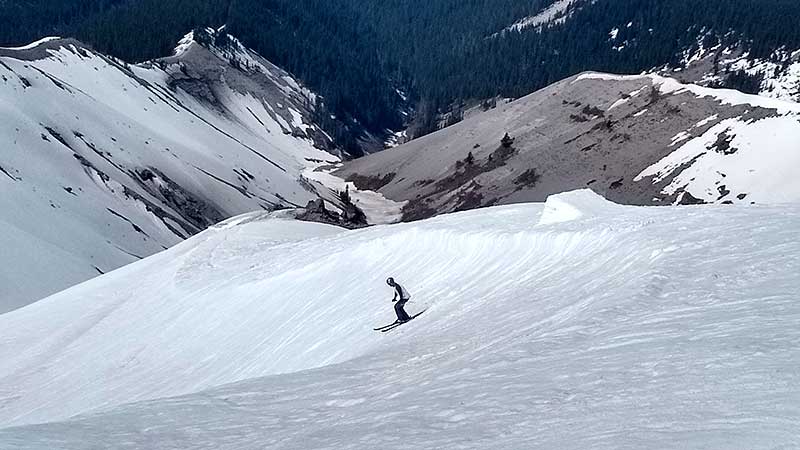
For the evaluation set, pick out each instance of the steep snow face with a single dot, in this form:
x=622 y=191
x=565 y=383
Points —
x=104 y=163
x=184 y=44
x=574 y=324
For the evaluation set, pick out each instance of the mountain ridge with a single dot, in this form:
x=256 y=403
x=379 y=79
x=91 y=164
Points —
x=139 y=157
x=437 y=54
x=637 y=139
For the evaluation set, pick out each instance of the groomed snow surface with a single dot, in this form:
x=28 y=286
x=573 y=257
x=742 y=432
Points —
x=577 y=324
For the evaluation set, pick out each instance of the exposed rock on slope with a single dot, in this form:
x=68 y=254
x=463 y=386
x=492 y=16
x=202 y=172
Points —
x=643 y=140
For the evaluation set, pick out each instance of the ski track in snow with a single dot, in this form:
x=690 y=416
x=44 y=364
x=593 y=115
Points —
x=572 y=325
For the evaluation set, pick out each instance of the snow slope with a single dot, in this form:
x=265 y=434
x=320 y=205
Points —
x=102 y=163
x=574 y=324
x=555 y=13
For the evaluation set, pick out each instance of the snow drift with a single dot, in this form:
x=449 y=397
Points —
x=611 y=328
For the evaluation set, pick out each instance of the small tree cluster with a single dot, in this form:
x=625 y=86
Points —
x=344 y=196
x=507 y=141
x=470 y=159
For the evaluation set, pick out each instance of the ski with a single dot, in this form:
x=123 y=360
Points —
x=392 y=326
x=384 y=330
x=386 y=326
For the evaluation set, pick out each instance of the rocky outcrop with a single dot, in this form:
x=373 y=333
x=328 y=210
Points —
x=351 y=216
x=643 y=140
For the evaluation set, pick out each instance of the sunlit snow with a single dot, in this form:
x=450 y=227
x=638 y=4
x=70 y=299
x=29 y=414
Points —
x=33 y=44
x=572 y=325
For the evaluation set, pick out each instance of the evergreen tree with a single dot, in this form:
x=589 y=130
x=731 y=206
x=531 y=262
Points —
x=359 y=53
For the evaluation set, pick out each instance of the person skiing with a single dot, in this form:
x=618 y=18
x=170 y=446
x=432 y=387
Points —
x=400 y=297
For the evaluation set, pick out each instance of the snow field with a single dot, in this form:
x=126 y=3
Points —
x=613 y=327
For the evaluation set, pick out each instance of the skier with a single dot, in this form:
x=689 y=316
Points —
x=401 y=297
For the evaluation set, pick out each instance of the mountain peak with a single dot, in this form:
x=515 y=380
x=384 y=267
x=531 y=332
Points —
x=217 y=41
x=184 y=44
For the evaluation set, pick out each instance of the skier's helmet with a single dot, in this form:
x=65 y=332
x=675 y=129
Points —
x=390 y=281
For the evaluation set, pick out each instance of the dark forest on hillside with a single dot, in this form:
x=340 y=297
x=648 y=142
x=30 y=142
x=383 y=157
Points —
x=358 y=53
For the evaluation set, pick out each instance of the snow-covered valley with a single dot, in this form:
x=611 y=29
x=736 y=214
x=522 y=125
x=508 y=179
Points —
x=572 y=324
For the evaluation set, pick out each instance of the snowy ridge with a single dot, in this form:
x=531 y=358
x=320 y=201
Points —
x=726 y=96
x=184 y=44
x=779 y=75
x=611 y=328
x=106 y=163
x=33 y=45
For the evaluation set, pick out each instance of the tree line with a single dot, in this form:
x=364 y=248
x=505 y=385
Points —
x=361 y=54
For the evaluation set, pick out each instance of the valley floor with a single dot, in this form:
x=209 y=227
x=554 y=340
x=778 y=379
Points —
x=573 y=324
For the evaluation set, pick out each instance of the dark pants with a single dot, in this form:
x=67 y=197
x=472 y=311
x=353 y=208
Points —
x=402 y=316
